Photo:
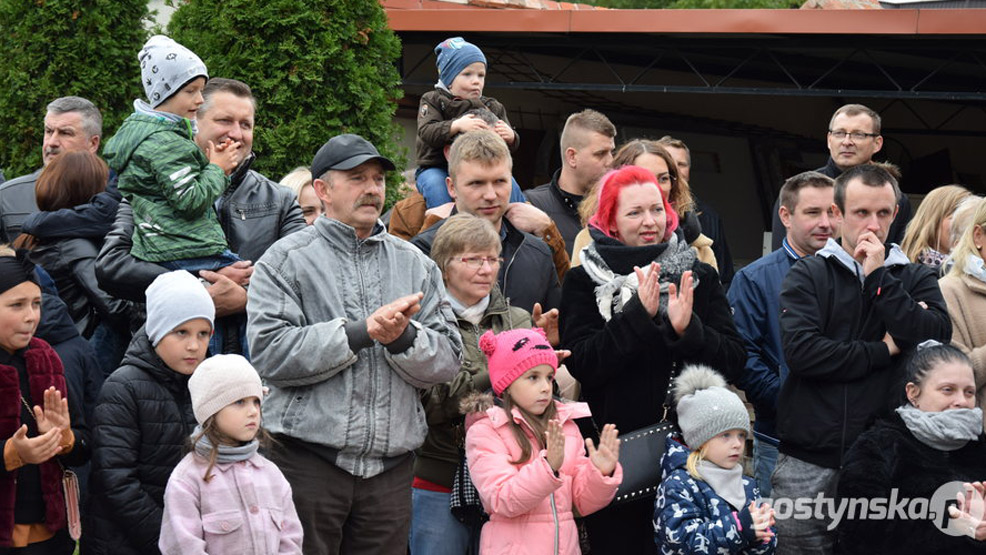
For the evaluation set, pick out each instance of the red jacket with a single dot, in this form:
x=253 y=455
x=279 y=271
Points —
x=44 y=370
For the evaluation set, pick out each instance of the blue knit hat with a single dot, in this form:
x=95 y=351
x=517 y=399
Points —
x=454 y=55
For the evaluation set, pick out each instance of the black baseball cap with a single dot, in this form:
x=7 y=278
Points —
x=345 y=152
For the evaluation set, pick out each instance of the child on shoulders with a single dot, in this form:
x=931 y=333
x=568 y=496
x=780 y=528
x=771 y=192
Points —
x=170 y=183
x=443 y=114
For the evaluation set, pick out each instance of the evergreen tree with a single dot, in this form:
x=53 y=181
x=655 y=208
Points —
x=55 y=48
x=317 y=68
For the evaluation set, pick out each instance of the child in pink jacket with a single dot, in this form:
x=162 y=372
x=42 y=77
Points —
x=527 y=458
x=224 y=497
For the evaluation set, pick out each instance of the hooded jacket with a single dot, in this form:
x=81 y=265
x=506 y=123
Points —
x=172 y=187
x=140 y=426
x=888 y=458
x=438 y=457
x=690 y=517
x=530 y=507
x=833 y=320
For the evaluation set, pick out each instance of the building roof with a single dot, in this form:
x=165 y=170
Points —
x=477 y=16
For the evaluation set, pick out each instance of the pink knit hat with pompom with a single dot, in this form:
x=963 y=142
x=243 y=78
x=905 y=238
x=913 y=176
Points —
x=513 y=352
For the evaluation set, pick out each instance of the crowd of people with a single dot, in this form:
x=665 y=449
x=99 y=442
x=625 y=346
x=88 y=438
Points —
x=452 y=377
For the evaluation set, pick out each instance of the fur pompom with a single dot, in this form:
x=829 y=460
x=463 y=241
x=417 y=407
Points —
x=487 y=343
x=695 y=377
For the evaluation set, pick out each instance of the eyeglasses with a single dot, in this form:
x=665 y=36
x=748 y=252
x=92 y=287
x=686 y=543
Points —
x=855 y=135
x=476 y=262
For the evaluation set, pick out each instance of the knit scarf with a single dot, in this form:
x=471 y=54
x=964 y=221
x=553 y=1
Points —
x=472 y=314
x=975 y=266
x=726 y=482
x=227 y=453
x=609 y=263
x=947 y=430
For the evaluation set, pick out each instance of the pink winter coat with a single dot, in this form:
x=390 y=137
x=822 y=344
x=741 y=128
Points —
x=246 y=508
x=531 y=509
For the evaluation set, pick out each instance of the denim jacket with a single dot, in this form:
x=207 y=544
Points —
x=327 y=389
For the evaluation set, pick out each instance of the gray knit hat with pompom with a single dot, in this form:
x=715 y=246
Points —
x=706 y=408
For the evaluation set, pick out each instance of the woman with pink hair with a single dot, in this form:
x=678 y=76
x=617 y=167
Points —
x=640 y=306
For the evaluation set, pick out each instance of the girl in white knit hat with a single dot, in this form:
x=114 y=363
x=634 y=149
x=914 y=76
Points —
x=705 y=504
x=224 y=496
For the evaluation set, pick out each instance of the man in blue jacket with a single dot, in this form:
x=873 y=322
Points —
x=806 y=211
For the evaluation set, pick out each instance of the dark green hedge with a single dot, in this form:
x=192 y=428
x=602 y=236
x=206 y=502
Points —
x=317 y=68
x=53 y=48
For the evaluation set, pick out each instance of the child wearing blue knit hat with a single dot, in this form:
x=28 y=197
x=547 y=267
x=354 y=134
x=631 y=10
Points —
x=443 y=114
x=704 y=503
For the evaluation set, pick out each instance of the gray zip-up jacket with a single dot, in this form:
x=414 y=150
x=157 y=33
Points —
x=361 y=404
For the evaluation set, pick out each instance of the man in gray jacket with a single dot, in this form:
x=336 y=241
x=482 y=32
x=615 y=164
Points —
x=347 y=324
x=71 y=123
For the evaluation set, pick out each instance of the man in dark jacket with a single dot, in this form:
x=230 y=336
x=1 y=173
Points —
x=254 y=213
x=853 y=138
x=586 y=153
x=847 y=314
x=479 y=181
x=806 y=209
x=71 y=123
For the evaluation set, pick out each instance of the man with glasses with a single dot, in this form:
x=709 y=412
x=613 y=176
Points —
x=853 y=138
x=479 y=169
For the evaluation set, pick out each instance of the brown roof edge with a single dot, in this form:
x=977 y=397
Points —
x=870 y=22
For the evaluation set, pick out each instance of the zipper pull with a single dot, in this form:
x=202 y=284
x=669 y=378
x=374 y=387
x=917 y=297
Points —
x=242 y=215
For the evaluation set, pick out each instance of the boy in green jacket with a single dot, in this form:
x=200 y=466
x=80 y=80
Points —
x=171 y=184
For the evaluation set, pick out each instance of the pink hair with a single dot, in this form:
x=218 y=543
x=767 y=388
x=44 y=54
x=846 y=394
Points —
x=609 y=195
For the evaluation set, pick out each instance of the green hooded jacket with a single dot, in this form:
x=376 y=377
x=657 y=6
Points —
x=171 y=186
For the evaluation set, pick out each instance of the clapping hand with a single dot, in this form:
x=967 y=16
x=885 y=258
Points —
x=554 y=445
x=970 y=513
x=55 y=413
x=548 y=321
x=680 y=302
x=608 y=454
x=763 y=520
x=649 y=289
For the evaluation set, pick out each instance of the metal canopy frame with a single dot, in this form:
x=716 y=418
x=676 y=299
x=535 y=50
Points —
x=902 y=68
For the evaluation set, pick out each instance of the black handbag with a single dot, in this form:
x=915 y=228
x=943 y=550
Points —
x=640 y=456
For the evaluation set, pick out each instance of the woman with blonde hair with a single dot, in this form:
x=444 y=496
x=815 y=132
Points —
x=964 y=289
x=928 y=236
x=299 y=180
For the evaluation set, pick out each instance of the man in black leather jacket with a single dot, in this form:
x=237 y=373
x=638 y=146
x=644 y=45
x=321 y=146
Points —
x=254 y=212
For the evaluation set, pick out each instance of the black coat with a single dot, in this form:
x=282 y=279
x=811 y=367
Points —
x=624 y=364
x=563 y=208
x=140 y=426
x=841 y=375
x=888 y=456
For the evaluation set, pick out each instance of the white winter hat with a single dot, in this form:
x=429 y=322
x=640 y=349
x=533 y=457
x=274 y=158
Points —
x=173 y=299
x=221 y=380
x=165 y=67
